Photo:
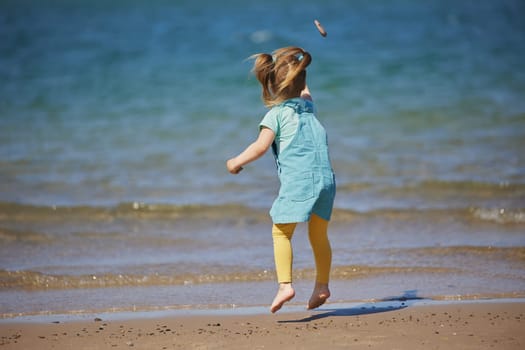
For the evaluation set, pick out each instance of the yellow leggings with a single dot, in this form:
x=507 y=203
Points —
x=282 y=249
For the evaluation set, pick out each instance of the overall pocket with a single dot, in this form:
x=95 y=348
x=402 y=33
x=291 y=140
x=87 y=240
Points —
x=298 y=188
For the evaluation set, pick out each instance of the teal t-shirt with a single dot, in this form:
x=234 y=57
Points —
x=283 y=121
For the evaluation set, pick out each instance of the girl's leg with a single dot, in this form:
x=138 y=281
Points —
x=283 y=255
x=318 y=235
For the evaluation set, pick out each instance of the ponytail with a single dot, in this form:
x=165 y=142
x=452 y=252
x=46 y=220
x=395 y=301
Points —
x=282 y=75
x=263 y=69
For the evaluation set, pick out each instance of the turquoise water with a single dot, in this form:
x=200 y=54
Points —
x=116 y=120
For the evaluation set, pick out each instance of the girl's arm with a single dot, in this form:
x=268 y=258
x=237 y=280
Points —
x=254 y=151
x=306 y=93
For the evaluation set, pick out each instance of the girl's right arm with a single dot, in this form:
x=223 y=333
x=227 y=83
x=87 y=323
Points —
x=254 y=151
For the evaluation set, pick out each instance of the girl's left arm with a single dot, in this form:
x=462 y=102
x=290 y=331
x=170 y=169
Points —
x=253 y=152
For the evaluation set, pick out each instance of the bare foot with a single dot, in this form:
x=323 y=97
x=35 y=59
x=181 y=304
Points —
x=284 y=294
x=319 y=295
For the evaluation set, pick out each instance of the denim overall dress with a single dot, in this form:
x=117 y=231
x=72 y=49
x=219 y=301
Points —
x=304 y=170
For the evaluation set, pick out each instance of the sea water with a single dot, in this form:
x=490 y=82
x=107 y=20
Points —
x=116 y=119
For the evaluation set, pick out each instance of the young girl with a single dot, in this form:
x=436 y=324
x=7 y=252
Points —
x=299 y=144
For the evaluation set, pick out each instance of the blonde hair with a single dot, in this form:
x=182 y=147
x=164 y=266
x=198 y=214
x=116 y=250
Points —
x=281 y=74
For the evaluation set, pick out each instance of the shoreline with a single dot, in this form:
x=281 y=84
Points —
x=247 y=310
x=403 y=324
x=244 y=297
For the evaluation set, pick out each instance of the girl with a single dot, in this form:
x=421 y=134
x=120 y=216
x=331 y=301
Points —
x=299 y=144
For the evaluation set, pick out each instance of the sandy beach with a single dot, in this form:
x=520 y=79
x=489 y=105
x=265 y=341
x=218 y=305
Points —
x=463 y=325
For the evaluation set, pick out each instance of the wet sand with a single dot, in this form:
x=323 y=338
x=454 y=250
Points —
x=465 y=325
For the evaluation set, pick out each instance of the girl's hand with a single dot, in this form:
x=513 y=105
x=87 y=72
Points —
x=306 y=93
x=232 y=167
x=252 y=152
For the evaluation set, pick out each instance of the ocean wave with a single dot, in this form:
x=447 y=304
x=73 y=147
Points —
x=10 y=235
x=499 y=215
x=138 y=210
x=494 y=215
x=471 y=186
x=34 y=280
x=422 y=187
x=489 y=253
x=231 y=213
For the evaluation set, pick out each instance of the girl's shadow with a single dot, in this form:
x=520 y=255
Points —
x=384 y=305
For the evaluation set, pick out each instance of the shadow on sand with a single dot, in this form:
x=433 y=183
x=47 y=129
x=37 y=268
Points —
x=384 y=305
